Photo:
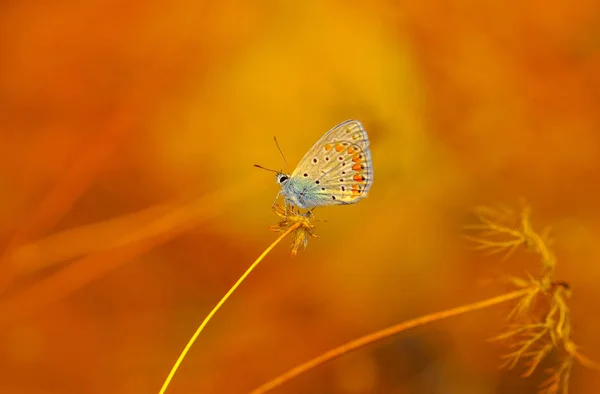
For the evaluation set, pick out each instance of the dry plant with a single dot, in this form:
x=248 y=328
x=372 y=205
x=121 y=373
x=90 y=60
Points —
x=291 y=222
x=539 y=324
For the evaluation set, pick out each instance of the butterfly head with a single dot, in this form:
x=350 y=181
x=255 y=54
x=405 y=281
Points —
x=282 y=178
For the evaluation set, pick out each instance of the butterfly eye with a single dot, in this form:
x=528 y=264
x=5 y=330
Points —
x=283 y=178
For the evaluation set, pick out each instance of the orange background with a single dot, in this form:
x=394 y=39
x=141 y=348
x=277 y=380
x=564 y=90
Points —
x=128 y=131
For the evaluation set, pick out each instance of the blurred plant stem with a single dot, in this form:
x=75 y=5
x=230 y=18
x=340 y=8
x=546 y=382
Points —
x=165 y=225
x=59 y=247
x=89 y=160
x=382 y=334
x=295 y=226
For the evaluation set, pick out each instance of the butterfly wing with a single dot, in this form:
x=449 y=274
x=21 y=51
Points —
x=338 y=168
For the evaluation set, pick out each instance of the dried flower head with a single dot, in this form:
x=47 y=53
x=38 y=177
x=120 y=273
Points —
x=291 y=217
x=540 y=322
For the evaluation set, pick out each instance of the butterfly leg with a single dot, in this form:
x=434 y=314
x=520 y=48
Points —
x=285 y=205
x=309 y=213
x=275 y=201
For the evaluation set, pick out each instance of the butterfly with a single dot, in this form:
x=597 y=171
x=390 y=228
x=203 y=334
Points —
x=337 y=170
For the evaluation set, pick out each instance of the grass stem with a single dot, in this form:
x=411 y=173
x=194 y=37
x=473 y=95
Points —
x=219 y=304
x=382 y=334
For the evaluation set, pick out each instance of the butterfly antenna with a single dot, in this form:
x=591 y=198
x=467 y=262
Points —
x=287 y=166
x=263 y=168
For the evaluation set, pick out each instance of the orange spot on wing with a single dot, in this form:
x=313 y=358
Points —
x=339 y=147
x=355 y=191
x=357 y=167
x=328 y=147
x=357 y=157
x=351 y=150
x=358 y=178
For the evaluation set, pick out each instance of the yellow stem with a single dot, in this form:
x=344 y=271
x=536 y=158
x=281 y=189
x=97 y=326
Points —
x=385 y=333
x=218 y=306
x=585 y=361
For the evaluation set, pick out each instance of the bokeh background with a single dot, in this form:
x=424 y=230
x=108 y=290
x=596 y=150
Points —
x=129 y=203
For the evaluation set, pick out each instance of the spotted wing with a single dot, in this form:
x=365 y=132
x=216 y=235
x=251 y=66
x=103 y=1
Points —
x=338 y=168
x=350 y=131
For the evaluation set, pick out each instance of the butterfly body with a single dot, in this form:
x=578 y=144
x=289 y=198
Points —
x=297 y=192
x=337 y=170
